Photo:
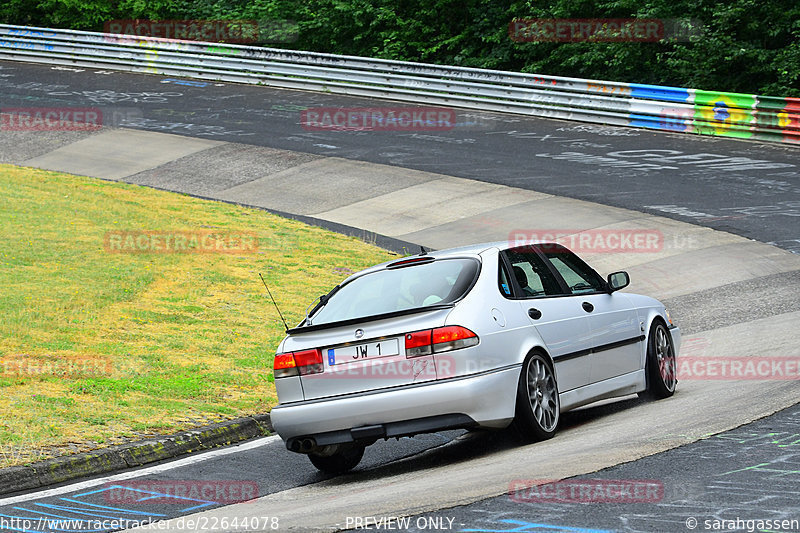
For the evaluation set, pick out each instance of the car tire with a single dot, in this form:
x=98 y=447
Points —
x=661 y=366
x=344 y=459
x=538 y=407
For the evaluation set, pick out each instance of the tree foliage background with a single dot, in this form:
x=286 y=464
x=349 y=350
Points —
x=750 y=46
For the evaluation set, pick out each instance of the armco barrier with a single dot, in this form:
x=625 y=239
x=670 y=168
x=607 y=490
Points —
x=657 y=107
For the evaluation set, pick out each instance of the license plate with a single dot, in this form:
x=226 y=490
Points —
x=361 y=352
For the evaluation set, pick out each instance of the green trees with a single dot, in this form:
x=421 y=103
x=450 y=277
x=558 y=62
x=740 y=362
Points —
x=748 y=46
x=84 y=14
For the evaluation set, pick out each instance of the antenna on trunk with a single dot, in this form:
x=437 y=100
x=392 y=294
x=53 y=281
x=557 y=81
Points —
x=285 y=325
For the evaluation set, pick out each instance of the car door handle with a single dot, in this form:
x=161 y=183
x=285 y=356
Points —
x=534 y=313
x=587 y=307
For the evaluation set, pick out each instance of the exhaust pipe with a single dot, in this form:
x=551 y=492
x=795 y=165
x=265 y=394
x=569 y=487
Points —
x=304 y=445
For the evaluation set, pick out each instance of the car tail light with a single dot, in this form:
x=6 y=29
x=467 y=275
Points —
x=438 y=340
x=300 y=363
x=418 y=343
x=453 y=338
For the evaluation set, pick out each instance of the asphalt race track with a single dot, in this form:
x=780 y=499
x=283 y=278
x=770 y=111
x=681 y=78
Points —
x=737 y=471
x=746 y=188
x=714 y=451
x=749 y=473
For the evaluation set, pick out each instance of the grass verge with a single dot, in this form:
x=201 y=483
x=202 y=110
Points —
x=99 y=345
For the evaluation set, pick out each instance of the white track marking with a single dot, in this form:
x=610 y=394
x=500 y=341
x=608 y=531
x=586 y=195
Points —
x=199 y=458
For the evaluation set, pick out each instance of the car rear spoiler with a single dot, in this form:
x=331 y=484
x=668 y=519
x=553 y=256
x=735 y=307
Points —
x=372 y=318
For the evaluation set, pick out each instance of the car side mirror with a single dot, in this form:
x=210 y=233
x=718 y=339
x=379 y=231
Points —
x=618 y=280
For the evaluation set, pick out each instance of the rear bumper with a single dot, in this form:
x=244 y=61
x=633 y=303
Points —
x=484 y=400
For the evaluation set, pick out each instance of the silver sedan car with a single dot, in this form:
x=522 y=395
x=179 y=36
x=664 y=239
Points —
x=483 y=336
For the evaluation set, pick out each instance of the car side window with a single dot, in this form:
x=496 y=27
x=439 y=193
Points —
x=579 y=276
x=532 y=274
x=503 y=282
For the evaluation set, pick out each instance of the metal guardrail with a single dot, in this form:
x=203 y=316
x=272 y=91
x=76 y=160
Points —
x=672 y=109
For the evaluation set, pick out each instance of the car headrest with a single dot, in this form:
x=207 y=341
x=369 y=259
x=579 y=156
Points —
x=522 y=278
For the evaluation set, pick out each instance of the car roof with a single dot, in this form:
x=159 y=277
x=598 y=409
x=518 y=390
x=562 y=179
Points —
x=475 y=249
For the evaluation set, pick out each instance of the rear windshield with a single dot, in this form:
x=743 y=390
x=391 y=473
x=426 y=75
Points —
x=386 y=291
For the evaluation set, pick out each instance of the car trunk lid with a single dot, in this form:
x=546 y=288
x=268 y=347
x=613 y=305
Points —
x=367 y=356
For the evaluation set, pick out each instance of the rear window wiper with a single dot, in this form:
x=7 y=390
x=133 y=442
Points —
x=322 y=301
